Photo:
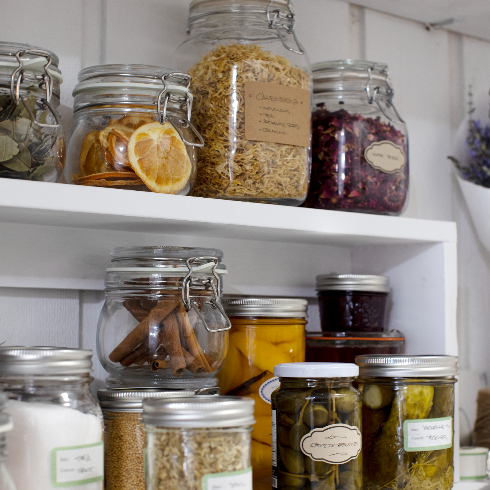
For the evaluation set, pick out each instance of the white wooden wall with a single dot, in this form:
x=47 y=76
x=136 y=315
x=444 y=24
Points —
x=431 y=72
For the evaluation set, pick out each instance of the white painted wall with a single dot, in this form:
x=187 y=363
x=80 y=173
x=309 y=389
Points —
x=431 y=72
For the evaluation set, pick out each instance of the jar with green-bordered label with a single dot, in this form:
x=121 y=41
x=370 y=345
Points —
x=407 y=420
x=316 y=427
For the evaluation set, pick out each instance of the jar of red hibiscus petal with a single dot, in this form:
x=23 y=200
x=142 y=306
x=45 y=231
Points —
x=360 y=142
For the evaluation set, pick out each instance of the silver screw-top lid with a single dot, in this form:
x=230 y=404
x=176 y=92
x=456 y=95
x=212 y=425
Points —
x=406 y=366
x=353 y=282
x=199 y=411
x=235 y=305
x=316 y=370
x=44 y=361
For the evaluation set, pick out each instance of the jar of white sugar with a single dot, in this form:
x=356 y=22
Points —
x=57 y=439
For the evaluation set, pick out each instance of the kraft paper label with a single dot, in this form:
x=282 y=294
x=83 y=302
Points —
x=385 y=156
x=276 y=113
x=79 y=465
x=334 y=444
x=233 y=480
x=425 y=434
x=266 y=388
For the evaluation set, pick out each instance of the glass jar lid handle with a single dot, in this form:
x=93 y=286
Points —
x=47 y=80
x=283 y=22
x=214 y=302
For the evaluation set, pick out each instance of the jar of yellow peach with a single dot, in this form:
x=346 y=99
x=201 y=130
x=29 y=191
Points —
x=265 y=332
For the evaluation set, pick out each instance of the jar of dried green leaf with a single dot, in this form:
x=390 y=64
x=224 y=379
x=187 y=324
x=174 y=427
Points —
x=32 y=142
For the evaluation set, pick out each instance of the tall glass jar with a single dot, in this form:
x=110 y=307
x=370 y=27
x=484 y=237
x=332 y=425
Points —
x=198 y=443
x=32 y=138
x=132 y=130
x=162 y=324
x=265 y=332
x=360 y=142
x=57 y=438
x=251 y=83
x=316 y=427
x=407 y=420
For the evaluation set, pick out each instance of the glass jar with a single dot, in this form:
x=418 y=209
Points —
x=57 y=437
x=316 y=404
x=33 y=141
x=132 y=130
x=264 y=332
x=360 y=142
x=198 y=444
x=162 y=324
x=251 y=81
x=6 y=425
x=352 y=302
x=407 y=420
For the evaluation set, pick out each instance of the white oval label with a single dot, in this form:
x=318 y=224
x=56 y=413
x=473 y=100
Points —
x=334 y=444
x=266 y=388
x=385 y=156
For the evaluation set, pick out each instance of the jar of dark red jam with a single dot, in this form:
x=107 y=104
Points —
x=352 y=302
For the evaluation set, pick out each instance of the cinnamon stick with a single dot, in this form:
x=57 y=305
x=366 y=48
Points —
x=135 y=355
x=158 y=365
x=169 y=338
x=136 y=309
x=194 y=365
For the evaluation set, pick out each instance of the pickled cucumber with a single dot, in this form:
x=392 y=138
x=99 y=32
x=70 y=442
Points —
x=315 y=415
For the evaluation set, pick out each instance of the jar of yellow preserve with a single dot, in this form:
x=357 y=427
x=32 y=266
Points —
x=265 y=332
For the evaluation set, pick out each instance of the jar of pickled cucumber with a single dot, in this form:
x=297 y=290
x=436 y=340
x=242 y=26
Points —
x=316 y=427
x=264 y=332
x=407 y=421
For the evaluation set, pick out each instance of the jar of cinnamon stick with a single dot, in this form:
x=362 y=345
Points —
x=163 y=324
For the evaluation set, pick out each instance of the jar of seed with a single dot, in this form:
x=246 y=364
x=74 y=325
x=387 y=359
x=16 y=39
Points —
x=316 y=427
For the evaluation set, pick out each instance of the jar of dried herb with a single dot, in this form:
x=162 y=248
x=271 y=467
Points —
x=407 y=421
x=32 y=141
x=251 y=86
x=132 y=130
x=198 y=443
x=360 y=142
x=162 y=324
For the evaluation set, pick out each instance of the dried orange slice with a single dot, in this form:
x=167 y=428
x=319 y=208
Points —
x=87 y=143
x=97 y=160
x=159 y=157
x=136 y=121
x=118 y=146
x=106 y=132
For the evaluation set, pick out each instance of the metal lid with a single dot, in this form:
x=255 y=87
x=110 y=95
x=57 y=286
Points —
x=200 y=411
x=353 y=282
x=316 y=370
x=6 y=422
x=44 y=361
x=236 y=305
x=403 y=366
x=329 y=338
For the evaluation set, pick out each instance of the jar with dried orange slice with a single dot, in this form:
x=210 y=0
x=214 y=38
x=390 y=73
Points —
x=132 y=130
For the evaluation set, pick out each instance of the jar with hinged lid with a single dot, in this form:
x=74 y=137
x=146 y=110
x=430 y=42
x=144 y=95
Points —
x=32 y=141
x=360 y=141
x=132 y=130
x=162 y=324
x=251 y=82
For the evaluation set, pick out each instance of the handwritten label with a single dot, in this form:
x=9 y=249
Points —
x=276 y=113
x=233 y=480
x=266 y=389
x=334 y=444
x=385 y=156
x=420 y=435
x=72 y=466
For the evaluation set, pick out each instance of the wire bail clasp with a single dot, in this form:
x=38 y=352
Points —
x=46 y=80
x=212 y=283
x=283 y=22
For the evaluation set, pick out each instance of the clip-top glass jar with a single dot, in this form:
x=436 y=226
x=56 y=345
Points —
x=407 y=421
x=251 y=83
x=316 y=427
x=57 y=437
x=32 y=139
x=162 y=324
x=132 y=130
x=360 y=142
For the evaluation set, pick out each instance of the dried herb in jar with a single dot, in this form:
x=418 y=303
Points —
x=341 y=178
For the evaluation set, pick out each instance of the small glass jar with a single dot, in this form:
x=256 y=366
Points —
x=360 y=142
x=352 y=302
x=316 y=427
x=132 y=130
x=198 y=444
x=265 y=332
x=57 y=438
x=407 y=421
x=6 y=425
x=33 y=141
x=162 y=324
x=251 y=81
